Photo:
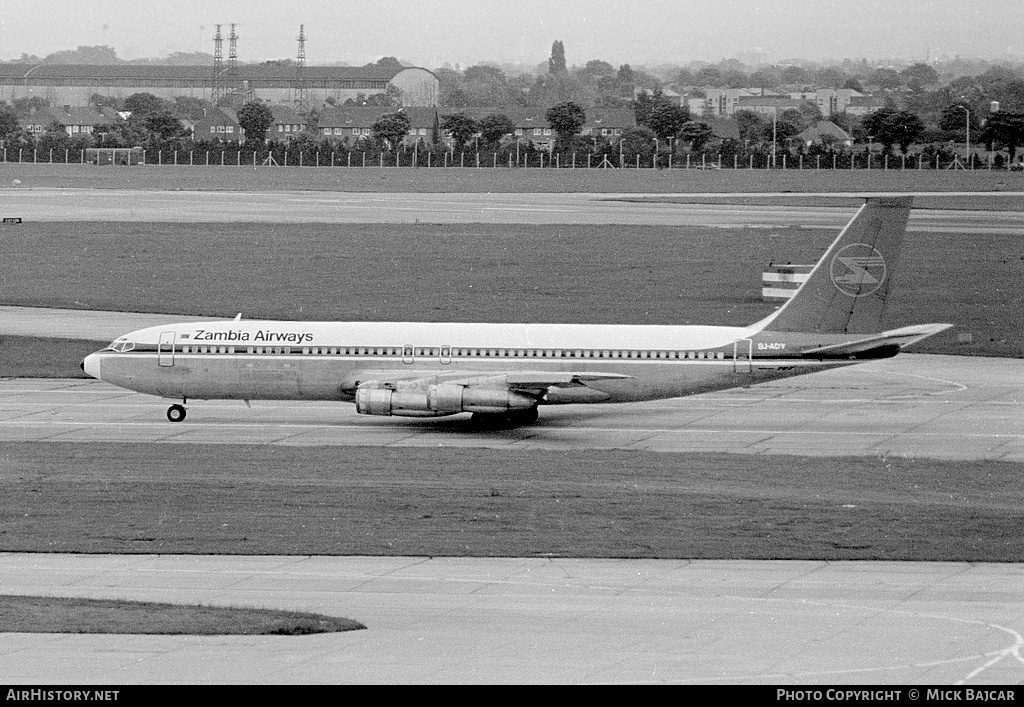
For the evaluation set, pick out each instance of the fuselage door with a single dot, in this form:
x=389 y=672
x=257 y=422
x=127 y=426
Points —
x=742 y=355
x=407 y=355
x=446 y=355
x=165 y=349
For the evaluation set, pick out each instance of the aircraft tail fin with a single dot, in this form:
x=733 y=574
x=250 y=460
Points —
x=847 y=291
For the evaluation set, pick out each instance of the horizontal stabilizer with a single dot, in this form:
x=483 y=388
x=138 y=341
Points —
x=898 y=338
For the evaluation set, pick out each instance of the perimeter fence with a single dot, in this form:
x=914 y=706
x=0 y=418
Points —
x=284 y=156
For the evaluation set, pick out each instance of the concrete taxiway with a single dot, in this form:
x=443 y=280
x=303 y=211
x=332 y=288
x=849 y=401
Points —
x=531 y=208
x=914 y=405
x=535 y=620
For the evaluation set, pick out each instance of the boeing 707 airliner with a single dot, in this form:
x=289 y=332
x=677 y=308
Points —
x=502 y=373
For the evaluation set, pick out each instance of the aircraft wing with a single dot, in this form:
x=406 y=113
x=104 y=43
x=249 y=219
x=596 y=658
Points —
x=875 y=344
x=555 y=386
x=544 y=379
x=550 y=385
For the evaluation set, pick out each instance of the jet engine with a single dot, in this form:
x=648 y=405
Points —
x=439 y=400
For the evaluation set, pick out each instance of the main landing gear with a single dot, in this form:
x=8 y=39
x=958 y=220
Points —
x=176 y=413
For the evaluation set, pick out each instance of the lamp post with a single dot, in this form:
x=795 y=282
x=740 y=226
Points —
x=775 y=128
x=967 y=125
x=870 y=138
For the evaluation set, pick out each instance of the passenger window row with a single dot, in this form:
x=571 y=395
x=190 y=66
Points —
x=446 y=352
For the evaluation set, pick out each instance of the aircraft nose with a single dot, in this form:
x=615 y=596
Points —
x=91 y=365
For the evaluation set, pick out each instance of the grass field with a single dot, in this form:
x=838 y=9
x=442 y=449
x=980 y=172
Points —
x=179 y=498
x=29 y=614
x=373 y=179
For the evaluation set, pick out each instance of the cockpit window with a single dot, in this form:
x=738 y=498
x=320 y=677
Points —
x=121 y=345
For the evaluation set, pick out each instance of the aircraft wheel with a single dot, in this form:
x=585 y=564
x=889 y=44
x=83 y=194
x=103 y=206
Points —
x=176 y=413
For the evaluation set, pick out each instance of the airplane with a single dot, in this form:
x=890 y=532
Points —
x=502 y=373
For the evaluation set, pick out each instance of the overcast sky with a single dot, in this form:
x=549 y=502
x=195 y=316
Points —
x=432 y=32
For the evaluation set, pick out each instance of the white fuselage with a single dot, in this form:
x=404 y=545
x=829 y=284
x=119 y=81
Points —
x=279 y=360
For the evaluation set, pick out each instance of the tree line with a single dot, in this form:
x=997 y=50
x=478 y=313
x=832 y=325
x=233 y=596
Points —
x=662 y=125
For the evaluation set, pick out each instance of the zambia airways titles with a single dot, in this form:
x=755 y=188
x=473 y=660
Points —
x=266 y=336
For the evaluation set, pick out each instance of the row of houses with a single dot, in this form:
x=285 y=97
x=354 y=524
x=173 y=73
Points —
x=354 y=123
x=351 y=123
x=75 y=119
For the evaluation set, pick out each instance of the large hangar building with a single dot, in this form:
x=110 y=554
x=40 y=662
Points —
x=74 y=84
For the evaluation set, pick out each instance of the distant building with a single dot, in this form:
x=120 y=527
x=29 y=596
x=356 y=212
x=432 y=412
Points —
x=219 y=125
x=419 y=87
x=825 y=132
x=695 y=104
x=532 y=126
x=799 y=91
x=723 y=102
x=726 y=101
x=352 y=123
x=768 y=105
x=73 y=84
x=288 y=123
x=355 y=122
x=863 y=105
x=608 y=122
x=673 y=97
x=76 y=120
x=835 y=100
x=828 y=100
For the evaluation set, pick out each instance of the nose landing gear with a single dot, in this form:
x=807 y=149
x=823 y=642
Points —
x=176 y=413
